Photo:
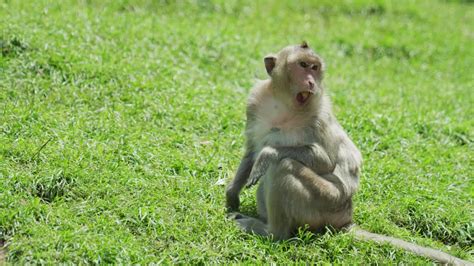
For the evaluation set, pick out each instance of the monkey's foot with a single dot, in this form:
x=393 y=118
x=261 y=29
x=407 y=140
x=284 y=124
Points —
x=234 y=215
x=249 y=224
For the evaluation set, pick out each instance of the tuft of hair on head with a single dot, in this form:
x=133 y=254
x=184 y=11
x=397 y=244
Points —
x=304 y=45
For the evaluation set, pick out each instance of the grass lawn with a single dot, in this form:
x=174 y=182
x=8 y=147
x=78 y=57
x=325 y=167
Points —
x=119 y=119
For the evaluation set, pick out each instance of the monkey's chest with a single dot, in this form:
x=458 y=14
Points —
x=275 y=126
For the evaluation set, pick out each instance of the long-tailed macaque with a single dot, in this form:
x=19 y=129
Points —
x=307 y=166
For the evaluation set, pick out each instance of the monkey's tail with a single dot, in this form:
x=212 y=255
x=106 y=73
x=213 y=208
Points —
x=433 y=254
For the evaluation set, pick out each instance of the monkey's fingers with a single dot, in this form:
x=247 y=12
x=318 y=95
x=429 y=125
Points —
x=252 y=181
x=254 y=177
x=259 y=169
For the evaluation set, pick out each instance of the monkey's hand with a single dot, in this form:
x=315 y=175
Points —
x=239 y=181
x=264 y=159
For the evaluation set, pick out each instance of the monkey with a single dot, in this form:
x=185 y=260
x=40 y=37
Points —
x=306 y=165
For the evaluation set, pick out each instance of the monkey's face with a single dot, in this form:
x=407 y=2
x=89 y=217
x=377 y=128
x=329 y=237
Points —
x=296 y=73
x=304 y=76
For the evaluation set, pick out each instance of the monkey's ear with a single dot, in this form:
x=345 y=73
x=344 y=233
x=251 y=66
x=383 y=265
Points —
x=270 y=62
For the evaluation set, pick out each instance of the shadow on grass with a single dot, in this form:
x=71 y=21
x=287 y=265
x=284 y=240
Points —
x=435 y=226
x=3 y=252
x=12 y=47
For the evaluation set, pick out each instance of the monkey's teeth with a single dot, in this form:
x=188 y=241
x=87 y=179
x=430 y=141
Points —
x=302 y=97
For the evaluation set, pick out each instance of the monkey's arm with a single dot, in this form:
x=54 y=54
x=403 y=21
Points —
x=236 y=185
x=246 y=164
x=313 y=156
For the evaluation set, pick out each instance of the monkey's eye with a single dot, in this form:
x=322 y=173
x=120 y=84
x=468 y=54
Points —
x=304 y=64
x=315 y=67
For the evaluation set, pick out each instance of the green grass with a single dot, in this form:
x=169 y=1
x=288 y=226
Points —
x=117 y=119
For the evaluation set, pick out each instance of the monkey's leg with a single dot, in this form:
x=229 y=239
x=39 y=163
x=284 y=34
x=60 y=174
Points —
x=279 y=194
x=279 y=226
x=261 y=205
x=296 y=195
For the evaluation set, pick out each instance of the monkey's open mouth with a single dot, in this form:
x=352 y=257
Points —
x=303 y=96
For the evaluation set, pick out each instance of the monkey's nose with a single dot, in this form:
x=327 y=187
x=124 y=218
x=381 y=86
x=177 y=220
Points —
x=311 y=84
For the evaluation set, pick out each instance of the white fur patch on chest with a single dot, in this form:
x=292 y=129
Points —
x=276 y=125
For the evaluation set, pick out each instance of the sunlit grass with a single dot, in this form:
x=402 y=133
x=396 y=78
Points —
x=117 y=118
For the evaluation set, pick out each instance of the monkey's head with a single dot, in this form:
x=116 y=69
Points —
x=296 y=72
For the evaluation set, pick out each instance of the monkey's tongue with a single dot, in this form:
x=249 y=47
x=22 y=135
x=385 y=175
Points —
x=302 y=97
